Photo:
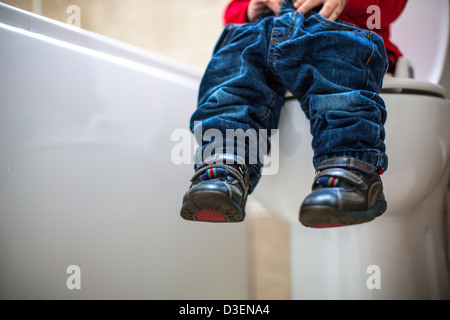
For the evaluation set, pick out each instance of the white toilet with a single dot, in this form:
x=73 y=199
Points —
x=402 y=254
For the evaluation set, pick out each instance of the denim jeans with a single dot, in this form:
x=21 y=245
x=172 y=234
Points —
x=334 y=69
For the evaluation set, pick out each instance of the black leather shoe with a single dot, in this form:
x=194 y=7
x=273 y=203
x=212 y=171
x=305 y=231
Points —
x=218 y=193
x=346 y=191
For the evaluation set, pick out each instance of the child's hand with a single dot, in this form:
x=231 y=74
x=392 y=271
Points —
x=331 y=8
x=258 y=7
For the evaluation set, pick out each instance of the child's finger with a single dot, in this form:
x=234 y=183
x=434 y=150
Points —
x=308 y=5
x=329 y=10
x=335 y=15
x=274 y=5
x=298 y=3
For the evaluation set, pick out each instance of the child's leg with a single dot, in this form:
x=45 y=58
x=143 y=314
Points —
x=237 y=96
x=336 y=72
x=236 y=101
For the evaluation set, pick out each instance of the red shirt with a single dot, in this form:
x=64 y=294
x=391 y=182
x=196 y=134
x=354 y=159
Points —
x=355 y=12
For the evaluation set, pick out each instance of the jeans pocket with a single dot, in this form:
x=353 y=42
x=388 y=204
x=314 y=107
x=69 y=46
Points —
x=226 y=36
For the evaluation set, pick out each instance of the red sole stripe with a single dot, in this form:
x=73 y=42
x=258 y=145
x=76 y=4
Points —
x=328 y=225
x=210 y=216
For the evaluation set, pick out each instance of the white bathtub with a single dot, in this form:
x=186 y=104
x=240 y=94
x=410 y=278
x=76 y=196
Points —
x=86 y=175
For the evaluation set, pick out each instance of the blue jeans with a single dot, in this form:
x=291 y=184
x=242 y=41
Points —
x=334 y=69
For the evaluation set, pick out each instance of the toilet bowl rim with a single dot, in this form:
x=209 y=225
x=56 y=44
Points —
x=413 y=86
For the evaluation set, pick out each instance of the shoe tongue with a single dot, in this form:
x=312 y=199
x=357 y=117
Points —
x=214 y=173
x=329 y=182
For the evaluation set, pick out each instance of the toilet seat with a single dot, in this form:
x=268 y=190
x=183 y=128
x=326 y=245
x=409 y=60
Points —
x=403 y=82
x=413 y=86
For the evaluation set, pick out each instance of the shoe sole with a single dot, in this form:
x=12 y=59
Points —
x=327 y=217
x=210 y=206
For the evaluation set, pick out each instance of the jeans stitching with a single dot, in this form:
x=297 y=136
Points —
x=374 y=155
x=338 y=29
x=289 y=28
x=373 y=47
x=266 y=113
x=226 y=38
x=275 y=43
